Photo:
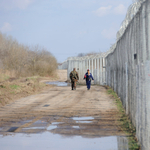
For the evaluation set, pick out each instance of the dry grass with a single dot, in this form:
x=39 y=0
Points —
x=13 y=89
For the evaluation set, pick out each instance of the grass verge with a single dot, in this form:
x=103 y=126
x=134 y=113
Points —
x=125 y=122
x=13 y=89
x=3 y=77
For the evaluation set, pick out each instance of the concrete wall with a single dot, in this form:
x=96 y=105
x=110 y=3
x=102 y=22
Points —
x=126 y=68
x=94 y=64
x=122 y=143
x=128 y=72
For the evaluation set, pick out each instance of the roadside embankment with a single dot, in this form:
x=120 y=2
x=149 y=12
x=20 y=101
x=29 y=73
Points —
x=12 y=89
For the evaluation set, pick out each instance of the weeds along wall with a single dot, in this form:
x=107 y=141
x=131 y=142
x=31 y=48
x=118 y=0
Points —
x=128 y=72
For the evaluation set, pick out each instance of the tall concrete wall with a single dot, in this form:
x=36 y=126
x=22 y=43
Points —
x=126 y=68
x=94 y=63
x=128 y=72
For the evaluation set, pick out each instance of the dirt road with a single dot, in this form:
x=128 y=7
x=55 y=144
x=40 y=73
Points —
x=61 y=106
x=59 y=110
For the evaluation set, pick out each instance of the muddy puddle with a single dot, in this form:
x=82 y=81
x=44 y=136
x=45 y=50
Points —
x=51 y=141
x=57 y=83
x=59 y=133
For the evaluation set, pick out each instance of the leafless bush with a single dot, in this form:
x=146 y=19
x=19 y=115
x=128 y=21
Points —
x=25 y=60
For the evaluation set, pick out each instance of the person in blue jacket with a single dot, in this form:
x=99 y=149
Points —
x=88 y=76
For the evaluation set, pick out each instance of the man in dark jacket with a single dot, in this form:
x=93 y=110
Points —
x=74 y=78
x=88 y=76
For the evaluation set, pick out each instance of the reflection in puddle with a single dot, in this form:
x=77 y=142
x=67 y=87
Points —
x=26 y=121
x=57 y=83
x=83 y=121
x=76 y=127
x=122 y=143
x=51 y=127
x=32 y=128
x=40 y=122
x=73 y=132
x=56 y=123
x=12 y=129
x=82 y=118
x=48 y=140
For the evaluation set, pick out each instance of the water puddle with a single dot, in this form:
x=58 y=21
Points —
x=48 y=140
x=12 y=129
x=83 y=121
x=51 y=127
x=33 y=128
x=57 y=83
x=76 y=127
x=46 y=105
x=40 y=122
x=75 y=133
x=26 y=121
x=82 y=118
x=56 y=123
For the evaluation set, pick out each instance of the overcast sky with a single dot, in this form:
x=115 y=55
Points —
x=64 y=27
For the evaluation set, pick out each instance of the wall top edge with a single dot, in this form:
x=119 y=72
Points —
x=132 y=11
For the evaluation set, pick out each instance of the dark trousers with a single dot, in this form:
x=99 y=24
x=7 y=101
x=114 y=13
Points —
x=88 y=83
x=73 y=85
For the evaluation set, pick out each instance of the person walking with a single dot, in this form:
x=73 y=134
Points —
x=74 y=77
x=88 y=76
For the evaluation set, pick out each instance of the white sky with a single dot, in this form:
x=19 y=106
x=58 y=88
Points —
x=64 y=27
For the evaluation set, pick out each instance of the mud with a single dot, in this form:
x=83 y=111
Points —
x=78 y=119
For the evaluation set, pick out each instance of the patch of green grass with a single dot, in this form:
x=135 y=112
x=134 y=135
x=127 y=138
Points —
x=12 y=92
x=14 y=87
x=33 y=78
x=3 y=77
x=126 y=124
x=2 y=86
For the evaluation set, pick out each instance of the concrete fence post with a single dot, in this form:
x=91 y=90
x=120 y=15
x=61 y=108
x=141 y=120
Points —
x=126 y=64
x=98 y=81
x=92 y=67
x=89 y=64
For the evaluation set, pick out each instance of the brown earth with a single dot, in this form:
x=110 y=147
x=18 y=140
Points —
x=54 y=110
